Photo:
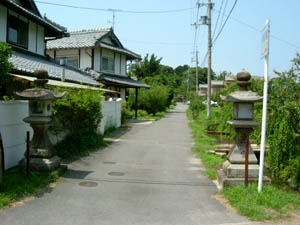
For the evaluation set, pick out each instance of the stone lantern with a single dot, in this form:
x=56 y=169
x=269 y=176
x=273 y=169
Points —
x=42 y=154
x=233 y=171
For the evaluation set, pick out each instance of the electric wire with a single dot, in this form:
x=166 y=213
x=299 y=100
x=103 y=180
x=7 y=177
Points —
x=216 y=24
x=220 y=31
x=223 y=15
x=115 y=10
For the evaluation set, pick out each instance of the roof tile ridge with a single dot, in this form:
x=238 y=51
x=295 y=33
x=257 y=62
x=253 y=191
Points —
x=85 y=31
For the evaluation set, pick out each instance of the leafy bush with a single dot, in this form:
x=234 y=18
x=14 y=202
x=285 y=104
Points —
x=284 y=133
x=125 y=113
x=152 y=100
x=5 y=65
x=79 y=115
x=196 y=105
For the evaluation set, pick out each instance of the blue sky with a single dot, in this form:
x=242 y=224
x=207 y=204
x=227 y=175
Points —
x=171 y=36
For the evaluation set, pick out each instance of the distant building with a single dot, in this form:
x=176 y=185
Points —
x=215 y=85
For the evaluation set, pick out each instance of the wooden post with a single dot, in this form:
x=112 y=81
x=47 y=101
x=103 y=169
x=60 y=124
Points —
x=246 y=161
x=28 y=154
x=136 y=102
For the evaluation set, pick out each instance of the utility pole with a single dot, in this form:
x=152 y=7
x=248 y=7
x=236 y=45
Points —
x=196 y=24
x=197 y=74
x=209 y=60
x=207 y=21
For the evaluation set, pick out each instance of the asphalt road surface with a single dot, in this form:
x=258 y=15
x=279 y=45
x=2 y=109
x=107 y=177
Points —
x=148 y=175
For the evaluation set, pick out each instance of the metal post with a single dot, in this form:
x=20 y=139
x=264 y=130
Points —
x=246 y=161
x=209 y=7
x=28 y=153
x=264 y=121
x=136 y=102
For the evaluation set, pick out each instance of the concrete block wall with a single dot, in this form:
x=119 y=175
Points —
x=111 y=112
x=13 y=130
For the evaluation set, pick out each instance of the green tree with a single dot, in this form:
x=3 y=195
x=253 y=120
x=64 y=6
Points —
x=180 y=70
x=146 y=68
x=152 y=100
x=5 y=65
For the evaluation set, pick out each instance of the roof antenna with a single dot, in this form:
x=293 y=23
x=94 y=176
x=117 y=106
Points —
x=113 y=21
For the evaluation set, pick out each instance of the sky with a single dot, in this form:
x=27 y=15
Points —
x=171 y=35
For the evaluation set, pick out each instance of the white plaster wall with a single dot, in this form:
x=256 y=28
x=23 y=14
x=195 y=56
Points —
x=40 y=40
x=117 y=63
x=97 y=59
x=13 y=130
x=3 y=23
x=123 y=65
x=85 y=58
x=32 y=45
x=111 y=112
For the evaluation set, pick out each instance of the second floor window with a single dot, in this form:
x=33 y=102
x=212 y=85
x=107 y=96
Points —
x=108 y=64
x=17 y=31
x=72 y=60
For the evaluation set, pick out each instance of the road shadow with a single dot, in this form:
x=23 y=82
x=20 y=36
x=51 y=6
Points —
x=77 y=174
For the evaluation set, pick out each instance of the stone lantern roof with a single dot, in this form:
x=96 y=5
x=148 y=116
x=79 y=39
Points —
x=40 y=92
x=243 y=95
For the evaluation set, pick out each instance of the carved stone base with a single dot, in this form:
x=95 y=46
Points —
x=224 y=181
x=234 y=174
x=238 y=170
x=40 y=164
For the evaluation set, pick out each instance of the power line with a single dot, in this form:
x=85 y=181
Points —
x=216 y=24
x=160 y=43
x=225 y=22
x=224 y=11
x=115 y=10
x=259 y=30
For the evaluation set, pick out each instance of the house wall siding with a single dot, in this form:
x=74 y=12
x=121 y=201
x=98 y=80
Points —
x=123 y=65
x=117 y=63
x=3 y=23
x=85 y=58
x=32 y=39
x=40 y=40
x=97 y=59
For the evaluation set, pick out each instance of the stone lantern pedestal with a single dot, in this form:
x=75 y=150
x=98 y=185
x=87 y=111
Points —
x=42 y=153
x=233 y=171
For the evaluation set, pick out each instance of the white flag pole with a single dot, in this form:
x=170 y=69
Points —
x=264 y=116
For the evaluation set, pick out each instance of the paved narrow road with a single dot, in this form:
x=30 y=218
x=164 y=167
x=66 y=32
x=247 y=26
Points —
x=149 y=175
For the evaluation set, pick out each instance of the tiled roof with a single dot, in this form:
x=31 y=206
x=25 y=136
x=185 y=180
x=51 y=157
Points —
x=88 y=39
x=122 y=81
x=79 y=39
x=26 y=63
x=32 y=15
